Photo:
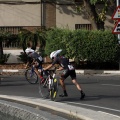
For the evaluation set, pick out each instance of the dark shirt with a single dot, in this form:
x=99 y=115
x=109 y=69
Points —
x=62 y=61
x=35 y=56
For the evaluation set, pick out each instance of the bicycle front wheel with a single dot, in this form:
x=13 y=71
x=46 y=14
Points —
x=31 y=76
x=54 y=90
x=44 y=88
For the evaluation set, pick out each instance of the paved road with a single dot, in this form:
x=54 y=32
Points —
x=102 y=91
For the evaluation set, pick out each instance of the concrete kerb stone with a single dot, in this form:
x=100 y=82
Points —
x=77 y=71
x=98 y=71
x=19 y=112
x=24 y=114
x=77 y=112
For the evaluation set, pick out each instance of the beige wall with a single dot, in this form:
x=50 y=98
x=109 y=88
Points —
x=20 y=15
x=67 y=16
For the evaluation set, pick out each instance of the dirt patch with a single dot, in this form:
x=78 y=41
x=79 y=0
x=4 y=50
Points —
x=17 y=66
x=12 y=66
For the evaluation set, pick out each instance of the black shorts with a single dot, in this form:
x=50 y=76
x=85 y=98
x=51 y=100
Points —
x=67 y=73
x=38 y=64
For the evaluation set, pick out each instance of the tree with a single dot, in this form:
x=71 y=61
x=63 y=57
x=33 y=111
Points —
x=34 y=38
x=8 y=38
x=95 y=16
x=1 y=40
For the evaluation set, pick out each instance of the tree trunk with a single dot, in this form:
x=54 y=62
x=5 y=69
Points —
x=93 y=16
x=1 y=50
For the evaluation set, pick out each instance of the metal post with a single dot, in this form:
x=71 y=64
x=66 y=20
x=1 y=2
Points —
x=117 y=2
x=41 y=14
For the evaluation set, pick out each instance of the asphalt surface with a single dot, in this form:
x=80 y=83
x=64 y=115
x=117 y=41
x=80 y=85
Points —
x=74 y=112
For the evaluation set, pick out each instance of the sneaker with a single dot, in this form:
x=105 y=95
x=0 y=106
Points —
x=63 y=95
x=82 y=96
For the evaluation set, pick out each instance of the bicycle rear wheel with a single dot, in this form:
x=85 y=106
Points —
x=54 y=90
x=31 y=76
x=44 y=88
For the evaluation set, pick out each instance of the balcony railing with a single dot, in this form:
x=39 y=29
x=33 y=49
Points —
x=13 y=30
x=15 y=45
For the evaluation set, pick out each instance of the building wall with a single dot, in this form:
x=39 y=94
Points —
x=50 y=15
x=67 y=17
x=20 y=15
x=29 y=14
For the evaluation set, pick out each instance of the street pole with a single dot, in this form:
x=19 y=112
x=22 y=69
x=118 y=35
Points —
x=117 y=2
x=41 y=14
x=118 y=34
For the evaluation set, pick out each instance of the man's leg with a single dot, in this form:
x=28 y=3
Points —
x=64 y=75
x=79 y=88
x=64 y=88
x=36 y=70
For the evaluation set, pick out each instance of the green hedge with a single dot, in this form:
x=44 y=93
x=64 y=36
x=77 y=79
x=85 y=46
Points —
x=94 y=46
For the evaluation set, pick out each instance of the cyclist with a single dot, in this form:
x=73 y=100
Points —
x=34 y=59
x=69 y=70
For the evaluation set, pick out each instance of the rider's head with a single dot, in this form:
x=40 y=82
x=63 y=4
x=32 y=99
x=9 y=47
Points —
x=29 y=51
x=55 y=53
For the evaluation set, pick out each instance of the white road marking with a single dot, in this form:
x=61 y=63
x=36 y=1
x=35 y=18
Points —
x=109 y=114
x=95 y=106
x=111 y=85
x=9 y=70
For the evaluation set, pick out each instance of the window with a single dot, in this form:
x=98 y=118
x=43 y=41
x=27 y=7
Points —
x=83 y=26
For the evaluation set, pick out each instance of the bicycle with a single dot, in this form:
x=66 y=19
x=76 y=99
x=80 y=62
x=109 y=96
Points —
x=30 y=75
x=48 y=87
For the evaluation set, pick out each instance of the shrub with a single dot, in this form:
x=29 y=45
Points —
x=83 y=45
x=4 y=58
x=22 y=57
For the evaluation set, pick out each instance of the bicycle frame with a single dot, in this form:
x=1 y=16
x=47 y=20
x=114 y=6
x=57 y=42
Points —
x=50 y=78
x=50 y=85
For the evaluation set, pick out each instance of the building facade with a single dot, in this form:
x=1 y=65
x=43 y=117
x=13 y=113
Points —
x=30 y=14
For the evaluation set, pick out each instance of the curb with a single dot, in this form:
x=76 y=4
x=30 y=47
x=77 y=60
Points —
x=73 y=111
x=13 y=110
x=98 y=71
x=77 y=71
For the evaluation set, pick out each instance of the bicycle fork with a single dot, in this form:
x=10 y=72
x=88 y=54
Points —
x=51 y=81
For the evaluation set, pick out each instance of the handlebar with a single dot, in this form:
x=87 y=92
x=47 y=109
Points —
x=50 y=71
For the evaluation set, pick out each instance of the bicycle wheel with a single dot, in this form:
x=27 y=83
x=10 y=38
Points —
x=31 y=76
x=44 y=88
x=54 y=90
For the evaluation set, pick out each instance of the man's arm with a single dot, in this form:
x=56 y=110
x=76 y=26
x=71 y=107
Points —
x=26 y=65
x=48 y=67
x=60 y=68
